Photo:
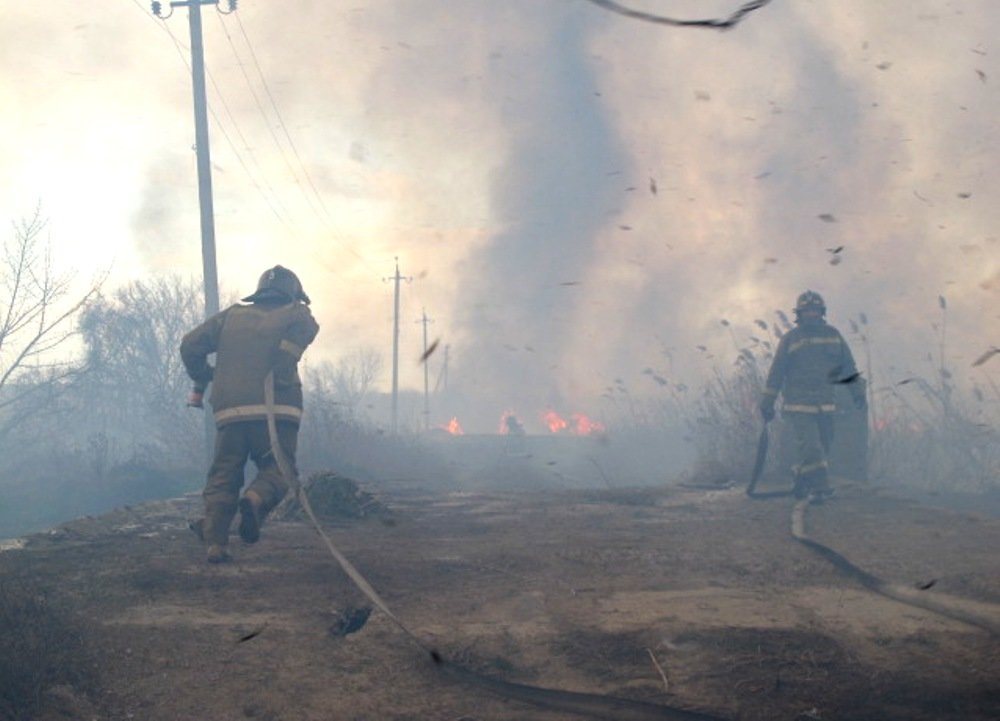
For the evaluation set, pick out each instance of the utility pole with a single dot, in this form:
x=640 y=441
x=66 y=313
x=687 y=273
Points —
x=210 y=275
x=427 y=402
x=395 y=350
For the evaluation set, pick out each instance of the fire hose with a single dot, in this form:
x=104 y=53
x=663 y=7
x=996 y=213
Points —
x=909 y=596
x=901 y=594
x=758 y=469
x=586 y=704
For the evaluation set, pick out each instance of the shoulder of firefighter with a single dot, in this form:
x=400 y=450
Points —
x=809 y=362
x=256 y=340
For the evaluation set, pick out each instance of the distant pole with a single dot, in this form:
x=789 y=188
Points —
x=395 y=350
x=427 y=399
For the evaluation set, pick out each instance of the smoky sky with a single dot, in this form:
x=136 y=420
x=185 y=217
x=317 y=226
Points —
x=574 y=196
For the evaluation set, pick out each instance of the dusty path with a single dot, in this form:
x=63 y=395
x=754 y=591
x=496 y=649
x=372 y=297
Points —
x=698 y=600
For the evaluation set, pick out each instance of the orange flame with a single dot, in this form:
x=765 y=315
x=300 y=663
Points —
x=585 y=426
x=554 y=421
x=454 y=428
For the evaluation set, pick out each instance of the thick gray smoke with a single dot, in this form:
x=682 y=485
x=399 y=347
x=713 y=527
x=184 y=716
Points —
x=550 y=196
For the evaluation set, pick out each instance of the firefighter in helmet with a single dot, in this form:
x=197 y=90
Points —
x=810 y=361
x=267 y=332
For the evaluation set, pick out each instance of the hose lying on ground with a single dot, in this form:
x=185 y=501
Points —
x=911 y=597
x=908 y=596
x=586 y=704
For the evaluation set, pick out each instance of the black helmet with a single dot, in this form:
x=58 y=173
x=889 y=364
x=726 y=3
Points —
x=278 y=283
x=810 y=300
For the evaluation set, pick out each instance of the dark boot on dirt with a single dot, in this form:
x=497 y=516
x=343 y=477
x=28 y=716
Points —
x=217 y=554
x=198 y=528
x=250 y=517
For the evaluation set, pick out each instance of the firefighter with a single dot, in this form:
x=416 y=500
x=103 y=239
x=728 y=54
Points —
x=810 y=361
x=267 y=332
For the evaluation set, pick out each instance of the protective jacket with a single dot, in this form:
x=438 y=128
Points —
x=810 y=360
x=249 y=341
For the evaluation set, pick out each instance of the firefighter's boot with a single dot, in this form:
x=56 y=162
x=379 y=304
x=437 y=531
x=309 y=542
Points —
x=250 y=516
x=198 y=528
x=215 y=533
x=217 y=554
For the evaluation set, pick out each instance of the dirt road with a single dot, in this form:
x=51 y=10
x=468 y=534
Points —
x=672 y=598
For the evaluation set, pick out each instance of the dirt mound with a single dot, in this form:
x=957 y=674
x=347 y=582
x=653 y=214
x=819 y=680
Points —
x=333 y=496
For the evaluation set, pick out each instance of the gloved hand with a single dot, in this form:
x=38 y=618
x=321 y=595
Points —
x=196 y=397
x=767 y=409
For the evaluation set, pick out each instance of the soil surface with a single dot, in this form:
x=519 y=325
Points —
x=672 y=598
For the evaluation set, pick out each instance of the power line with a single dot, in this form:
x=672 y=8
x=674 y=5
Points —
x=181 y=48
x=325 y=216
x=246 y=144
x=239 y=157
x=263 y=114
x=714 y=23
x=281 y=122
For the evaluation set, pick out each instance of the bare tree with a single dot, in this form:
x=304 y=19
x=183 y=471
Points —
x=36 y=323
x=347 y=382
x=136 y=382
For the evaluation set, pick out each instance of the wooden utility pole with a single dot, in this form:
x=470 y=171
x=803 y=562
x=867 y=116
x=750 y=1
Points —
x=395 y=350
x=210 y=275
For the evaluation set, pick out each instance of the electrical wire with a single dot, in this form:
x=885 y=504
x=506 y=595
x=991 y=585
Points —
x=260 y=109
x=181 y=52
x=239 y=157
x=281 y=122
x=322 y=211
x=713 y=23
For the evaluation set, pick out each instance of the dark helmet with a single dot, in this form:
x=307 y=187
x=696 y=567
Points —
x=278 y=283
x=810 y=300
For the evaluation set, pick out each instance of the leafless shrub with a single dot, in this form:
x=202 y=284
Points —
x=36 y=321
x=723 y=418
x=135 y=385
x=43 y=647
x=929 y=441
x=928 y=431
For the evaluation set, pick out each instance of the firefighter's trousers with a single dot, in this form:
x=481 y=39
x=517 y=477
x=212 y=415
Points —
x=813 y=437
x=235 y=443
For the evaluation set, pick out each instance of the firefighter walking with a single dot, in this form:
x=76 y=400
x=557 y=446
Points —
x=810 y=361
x=267 y=333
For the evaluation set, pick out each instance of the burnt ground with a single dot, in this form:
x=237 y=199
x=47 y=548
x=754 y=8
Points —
x=675 y=597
